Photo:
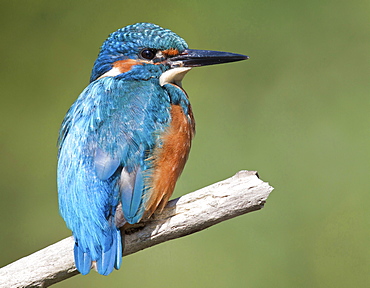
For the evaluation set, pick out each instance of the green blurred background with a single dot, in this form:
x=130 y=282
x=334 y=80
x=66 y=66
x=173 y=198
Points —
x=297 y=111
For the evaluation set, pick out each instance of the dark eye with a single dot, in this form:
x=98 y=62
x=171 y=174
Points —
x=148 y=53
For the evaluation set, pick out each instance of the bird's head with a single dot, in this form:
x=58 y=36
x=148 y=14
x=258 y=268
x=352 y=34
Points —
x=149 y=51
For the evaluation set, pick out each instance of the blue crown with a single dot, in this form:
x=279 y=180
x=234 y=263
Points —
x=127 y=43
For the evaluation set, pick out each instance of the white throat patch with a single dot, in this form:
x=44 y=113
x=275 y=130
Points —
x=173 y=76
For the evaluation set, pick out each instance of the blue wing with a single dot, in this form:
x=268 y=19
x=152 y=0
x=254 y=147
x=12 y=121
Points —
x=105 y=144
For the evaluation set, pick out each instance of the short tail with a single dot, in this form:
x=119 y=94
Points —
x=110 y=256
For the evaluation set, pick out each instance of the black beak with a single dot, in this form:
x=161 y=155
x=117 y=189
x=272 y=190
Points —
x=197 y=58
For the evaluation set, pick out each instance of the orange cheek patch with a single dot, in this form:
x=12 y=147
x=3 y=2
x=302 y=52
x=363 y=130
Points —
x=170 y=52
x=125 y=65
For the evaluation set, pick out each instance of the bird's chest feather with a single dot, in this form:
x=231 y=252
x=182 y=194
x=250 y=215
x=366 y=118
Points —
x=169 y=158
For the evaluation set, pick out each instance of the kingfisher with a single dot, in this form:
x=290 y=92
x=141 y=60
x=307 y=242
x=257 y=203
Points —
x=126 y=138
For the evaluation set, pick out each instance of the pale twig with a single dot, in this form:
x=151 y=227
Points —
x=193 y=212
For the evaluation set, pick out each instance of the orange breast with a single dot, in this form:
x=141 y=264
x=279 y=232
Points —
x=170 y=159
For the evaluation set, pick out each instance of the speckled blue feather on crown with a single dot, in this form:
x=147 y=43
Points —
x=143 y=35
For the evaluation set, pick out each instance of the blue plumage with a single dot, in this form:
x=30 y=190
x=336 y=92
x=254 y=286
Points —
x=97 y=138
x=114 y=137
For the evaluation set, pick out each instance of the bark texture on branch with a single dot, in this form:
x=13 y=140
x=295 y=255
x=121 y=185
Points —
x=193 y=212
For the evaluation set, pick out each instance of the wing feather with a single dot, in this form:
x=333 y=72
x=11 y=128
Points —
x=105 y=140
